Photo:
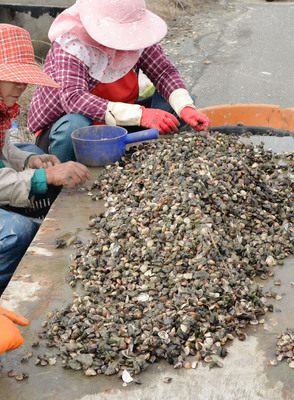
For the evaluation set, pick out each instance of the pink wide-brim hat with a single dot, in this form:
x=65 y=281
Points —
x=121 y=24
x=17 y=61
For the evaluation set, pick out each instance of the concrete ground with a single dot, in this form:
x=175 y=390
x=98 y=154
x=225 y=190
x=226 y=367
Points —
x=241 y=52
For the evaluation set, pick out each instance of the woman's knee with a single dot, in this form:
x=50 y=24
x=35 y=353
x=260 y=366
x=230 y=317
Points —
x=32 y=148
x=60 y=135
x=16 y=234
x=15 y=230
x=69 y=123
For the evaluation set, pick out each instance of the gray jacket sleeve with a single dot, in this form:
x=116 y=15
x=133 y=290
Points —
x=15 y=181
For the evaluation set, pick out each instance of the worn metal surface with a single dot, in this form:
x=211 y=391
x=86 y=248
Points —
x=36 y=16
x=39 y=283
x=35 y=10
x=40 y=3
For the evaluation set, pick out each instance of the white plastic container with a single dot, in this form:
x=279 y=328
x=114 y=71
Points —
x=14 y=133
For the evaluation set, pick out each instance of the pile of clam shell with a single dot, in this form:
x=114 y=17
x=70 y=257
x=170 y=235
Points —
x=190 y=221
x=285 y=347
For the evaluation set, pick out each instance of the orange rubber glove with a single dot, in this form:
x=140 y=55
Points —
x=159 y=119
x=196 y=119
x=10 y=337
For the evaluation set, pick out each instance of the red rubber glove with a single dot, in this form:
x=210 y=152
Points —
x=196 y=119
x=10 y=337
x=162 y=120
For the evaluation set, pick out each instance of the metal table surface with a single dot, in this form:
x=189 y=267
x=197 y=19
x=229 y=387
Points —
x=39 y=286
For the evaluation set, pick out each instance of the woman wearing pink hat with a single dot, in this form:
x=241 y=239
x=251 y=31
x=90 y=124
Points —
x=22 y=174
x=97 y=50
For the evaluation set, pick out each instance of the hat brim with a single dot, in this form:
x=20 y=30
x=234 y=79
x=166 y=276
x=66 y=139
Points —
x=128 y=36
x=25 y=73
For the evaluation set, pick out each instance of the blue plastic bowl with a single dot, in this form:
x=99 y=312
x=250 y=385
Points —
x=100 y=145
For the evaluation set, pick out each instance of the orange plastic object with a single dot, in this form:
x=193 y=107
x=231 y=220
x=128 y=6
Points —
x=266 y=115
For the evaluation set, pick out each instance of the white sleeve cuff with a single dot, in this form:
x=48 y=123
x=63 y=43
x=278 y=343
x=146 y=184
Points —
x=123 y=114
x=179 y=99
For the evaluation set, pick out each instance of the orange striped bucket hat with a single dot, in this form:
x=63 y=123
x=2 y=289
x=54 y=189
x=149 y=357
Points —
x=17 y=61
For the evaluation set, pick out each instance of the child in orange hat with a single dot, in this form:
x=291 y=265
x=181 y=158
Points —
x=22 y=174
